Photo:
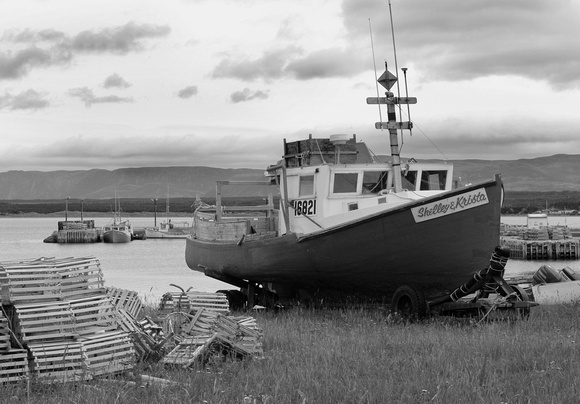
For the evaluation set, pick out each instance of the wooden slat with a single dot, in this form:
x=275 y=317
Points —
x=110 y=352
x=61 y=361
x=13 y=365
x=48 y=279
x=127 y=300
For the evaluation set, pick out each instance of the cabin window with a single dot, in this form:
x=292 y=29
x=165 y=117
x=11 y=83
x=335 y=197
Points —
x=409 y=180
x=345 y=183
x=433 y=180
x=374 y=181
x=306 y=186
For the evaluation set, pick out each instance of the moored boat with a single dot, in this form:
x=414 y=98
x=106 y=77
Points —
x=349 y=224
x=119 y=230
x=170 y=230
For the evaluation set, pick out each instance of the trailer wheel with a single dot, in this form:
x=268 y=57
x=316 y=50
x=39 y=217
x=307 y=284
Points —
x=523 y=296
x=409 y=303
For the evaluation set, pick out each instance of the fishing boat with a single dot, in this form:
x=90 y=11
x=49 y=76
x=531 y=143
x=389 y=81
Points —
x=119 y=230
x=350 y=225
x=168 y=229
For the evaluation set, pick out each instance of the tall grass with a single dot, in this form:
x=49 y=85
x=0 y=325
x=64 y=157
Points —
x=359 y=356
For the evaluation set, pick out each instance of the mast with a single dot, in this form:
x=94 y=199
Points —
x=387 y=80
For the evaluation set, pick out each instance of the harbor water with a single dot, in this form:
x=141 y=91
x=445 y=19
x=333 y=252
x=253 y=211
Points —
x=150 y=266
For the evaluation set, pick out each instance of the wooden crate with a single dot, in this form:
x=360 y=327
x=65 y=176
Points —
x=217 y=302
x=109 y=352
x=242 y=333
x=49 y=279
x=13 y=365
x=308 y=152
x=191 y=300
x=145 y=345
x=201 y=321
x=44 y=322
x=61 y=320
x=4 y=333
x=93 y=314
x=62 y=361
x=127 y=300
x=151 y=328
x=188 y=350
x=174 y=301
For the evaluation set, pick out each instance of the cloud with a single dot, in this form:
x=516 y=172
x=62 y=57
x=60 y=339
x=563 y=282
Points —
x=89 y=98
x=289 y=62
x=50 y=47
x=85 y=152
x=327 y=63
x=247 y=95
x=16 y=65
x=115 y=80
x=117 y=40
x=30 y=36
x=450 y=40
x=271 y=65
x=187 y=92
x=29 y=99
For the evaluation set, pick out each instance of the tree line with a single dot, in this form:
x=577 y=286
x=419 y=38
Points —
x=515 y=202
x=128 y=205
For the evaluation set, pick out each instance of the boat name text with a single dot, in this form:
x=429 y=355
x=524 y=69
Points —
x=450 y=205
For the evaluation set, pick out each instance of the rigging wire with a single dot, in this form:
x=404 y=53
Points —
x=399 y=93
x=376 y=77
x=396 y=69
x=430 y=141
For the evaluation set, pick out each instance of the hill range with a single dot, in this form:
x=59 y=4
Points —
x=555 y=173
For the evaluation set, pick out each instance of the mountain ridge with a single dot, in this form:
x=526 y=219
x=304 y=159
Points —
x=560 y=172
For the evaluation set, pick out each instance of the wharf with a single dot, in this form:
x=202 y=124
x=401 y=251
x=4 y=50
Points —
x=75 y=231
x=563 y=249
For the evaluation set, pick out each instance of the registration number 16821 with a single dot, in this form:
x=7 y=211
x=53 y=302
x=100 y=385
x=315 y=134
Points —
x=304 y=207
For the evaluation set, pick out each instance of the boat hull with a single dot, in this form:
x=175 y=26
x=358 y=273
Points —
x=372 y=256
x=116 y=236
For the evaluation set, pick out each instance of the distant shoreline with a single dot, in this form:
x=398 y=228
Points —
x=77 y=215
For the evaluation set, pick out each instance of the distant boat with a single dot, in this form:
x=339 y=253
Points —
x=118 y=231
x=167 y=228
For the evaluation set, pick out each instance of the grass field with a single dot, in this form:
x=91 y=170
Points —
x=361 y=356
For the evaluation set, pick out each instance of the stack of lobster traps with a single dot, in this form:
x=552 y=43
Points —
x=59 y=322
x=202 y=327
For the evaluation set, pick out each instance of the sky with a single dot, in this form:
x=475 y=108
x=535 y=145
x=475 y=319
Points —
x=141 y=83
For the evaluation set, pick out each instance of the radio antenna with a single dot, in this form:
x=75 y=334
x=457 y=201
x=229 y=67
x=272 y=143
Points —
x=396 y=68
x=375 y=66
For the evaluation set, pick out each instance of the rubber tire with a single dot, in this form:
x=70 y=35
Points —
x=409 y=303
x=524 y=297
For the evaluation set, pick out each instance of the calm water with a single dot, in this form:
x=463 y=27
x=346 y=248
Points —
x=150 y=266
x=145 y=266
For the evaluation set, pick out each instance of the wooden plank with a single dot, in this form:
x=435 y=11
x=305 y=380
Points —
x=13 y=365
